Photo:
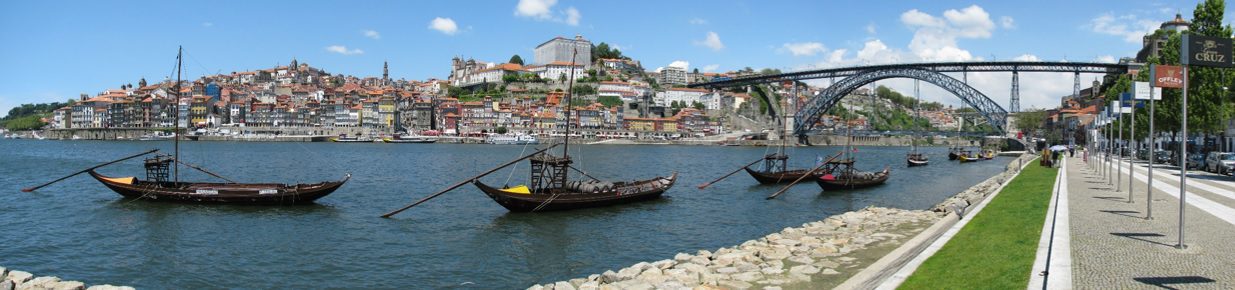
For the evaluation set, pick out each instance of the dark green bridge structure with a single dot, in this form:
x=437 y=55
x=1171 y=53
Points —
x=852 y=78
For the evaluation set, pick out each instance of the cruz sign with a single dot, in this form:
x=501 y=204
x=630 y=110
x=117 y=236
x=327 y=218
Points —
x=1167 y=76
x=1206 y=51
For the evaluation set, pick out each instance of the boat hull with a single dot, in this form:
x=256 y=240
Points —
x=563 y=200
x=915 y=163
x=221 y=193
x=840 y=184
x=777 y=177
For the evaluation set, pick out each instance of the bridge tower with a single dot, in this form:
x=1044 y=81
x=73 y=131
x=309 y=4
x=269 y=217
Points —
x=1015 y=106
x=1076 y=85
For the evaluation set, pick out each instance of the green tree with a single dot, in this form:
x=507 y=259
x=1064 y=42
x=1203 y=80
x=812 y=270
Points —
x=1209 y=104
x=516 y=60
x=609 y=101
x=501 y=129
x=1031 y=121
x=698 y=106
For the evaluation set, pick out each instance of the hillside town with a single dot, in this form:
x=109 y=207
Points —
x=614 y=97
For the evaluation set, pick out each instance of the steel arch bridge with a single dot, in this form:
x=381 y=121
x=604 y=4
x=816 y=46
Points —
x=809 y=114
x=854 y=77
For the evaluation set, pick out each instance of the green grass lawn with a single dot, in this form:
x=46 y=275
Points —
x=996 y=249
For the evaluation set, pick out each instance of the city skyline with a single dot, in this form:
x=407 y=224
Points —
x=73 y=51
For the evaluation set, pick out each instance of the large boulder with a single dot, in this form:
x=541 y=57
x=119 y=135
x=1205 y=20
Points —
x=563 y=286
x=19 y=277
x=39 y=283
x=734 y=284
x=804 y=269
x=747 y=276
x=109 y=287
x=68 y=285
x=628 y=273
x=7 y=285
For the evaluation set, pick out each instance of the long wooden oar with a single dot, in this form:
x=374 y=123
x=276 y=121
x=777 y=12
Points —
x=584 y=173
x=808 y=173
x=29 y=189
x=466 y=181
x=705 y=185
x=204 y=171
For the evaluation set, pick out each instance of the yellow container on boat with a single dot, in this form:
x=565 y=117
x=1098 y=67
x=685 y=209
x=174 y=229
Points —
x=522 y=189
x=121 y=180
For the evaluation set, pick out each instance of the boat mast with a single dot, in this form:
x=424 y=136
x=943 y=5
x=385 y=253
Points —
x=916 y=114
x=569 y=92
x=176 y=126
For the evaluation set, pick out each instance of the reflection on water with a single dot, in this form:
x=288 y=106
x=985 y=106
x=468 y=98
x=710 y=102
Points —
x=80 y=230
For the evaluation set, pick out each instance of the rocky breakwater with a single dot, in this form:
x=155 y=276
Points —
x=21 y=280
x=816 y=255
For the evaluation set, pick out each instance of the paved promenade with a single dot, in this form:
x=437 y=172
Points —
x=1113 y=245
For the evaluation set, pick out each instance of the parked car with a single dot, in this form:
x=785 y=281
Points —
x=1162 y=157
x=1195 y=160
x=1220 y=162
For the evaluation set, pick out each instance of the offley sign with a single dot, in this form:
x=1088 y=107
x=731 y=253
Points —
x=1167 y=76
x=1206 y=51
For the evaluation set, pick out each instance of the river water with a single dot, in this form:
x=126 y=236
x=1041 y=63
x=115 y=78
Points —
x=79 y=230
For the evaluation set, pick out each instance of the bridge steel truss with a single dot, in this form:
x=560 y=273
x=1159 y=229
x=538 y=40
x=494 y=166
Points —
x=943 y=67
x=810 y=113
x=854 y=77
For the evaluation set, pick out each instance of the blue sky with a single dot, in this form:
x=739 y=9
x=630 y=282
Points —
x=56 y=50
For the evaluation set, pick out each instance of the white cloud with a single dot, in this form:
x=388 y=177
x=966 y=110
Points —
x=1026 y=57
x=712 y=41
x=372 y=34
x=1106 y=59
x=538 y=9
x=572 y=16
x=1007 y=22
x=542 y=10
x=444 y=25
x=1130 y=27
x=698 y=21
x=207 y=24
x=343 y=50
x=710 y=67
x=680 y=64
x=934 y=38
x=804 y=48
x=871 y=28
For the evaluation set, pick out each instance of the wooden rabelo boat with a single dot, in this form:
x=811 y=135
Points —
x=969 y=157
x=988 y=154
x=842 y=175
x=163 y=182
x=549 y=187
x=550 y=190
x=915 y=158
x=224 y=193
x=775 y=168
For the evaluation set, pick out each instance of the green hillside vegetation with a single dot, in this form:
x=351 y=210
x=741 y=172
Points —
x=27 y=116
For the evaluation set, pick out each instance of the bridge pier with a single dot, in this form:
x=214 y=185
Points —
x=1015 y=106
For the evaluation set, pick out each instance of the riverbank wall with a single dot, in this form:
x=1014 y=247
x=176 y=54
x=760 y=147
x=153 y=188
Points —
x=256 y=134
x=817 y=255
x=21 y=280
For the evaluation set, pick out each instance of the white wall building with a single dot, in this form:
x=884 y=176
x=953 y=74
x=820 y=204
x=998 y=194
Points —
x=682 y=95
x=560 y=49
x=672 y=75
x=556 y=70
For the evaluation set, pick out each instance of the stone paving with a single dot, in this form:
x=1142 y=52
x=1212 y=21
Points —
x=1115 y=247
